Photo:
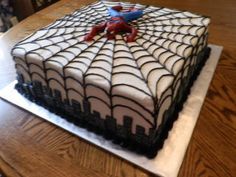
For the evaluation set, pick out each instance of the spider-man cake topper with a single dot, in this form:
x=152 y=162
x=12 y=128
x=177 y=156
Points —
x=118 y=23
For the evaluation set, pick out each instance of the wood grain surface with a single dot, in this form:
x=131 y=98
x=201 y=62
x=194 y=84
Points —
x=32 y=147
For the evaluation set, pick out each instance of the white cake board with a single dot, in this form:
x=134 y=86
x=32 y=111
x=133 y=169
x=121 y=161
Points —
x=169 y=159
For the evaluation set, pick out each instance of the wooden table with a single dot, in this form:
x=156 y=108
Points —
x=30 y=146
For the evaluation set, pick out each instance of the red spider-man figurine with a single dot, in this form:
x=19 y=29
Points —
x=118 y=23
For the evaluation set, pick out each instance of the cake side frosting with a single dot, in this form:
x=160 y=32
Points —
x=135 y=82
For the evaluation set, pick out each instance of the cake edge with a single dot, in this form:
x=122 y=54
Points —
x=108 y=127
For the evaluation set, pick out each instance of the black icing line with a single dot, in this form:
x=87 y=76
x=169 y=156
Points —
x=100 y=68
x=53 y=43
x=150 y=112
x=94 y=74
x=138 y=67
x=168 y=34
x=120 y=96
x=84 y=74
x=100 y=10
x=111 y=78
x=102 y=60
x=97 y=98
x=157 y=108
x=170 y=19
x=131 y=86
x=151 y=62
x=125 y=106
x=162 y=47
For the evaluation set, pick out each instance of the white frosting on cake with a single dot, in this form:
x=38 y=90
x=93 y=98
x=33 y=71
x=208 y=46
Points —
x=138 y=79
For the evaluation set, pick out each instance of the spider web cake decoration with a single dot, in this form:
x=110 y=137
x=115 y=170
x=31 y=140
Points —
x=163 y=50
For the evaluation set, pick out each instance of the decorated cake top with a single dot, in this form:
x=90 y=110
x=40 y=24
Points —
x=165 y=43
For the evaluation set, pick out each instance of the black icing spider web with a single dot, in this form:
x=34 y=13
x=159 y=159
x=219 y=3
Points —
x=152 y=66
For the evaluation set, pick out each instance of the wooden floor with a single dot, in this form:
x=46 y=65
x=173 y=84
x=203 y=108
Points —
x=31 y=147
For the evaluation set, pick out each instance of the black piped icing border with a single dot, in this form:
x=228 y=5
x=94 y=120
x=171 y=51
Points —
x=154 y=36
